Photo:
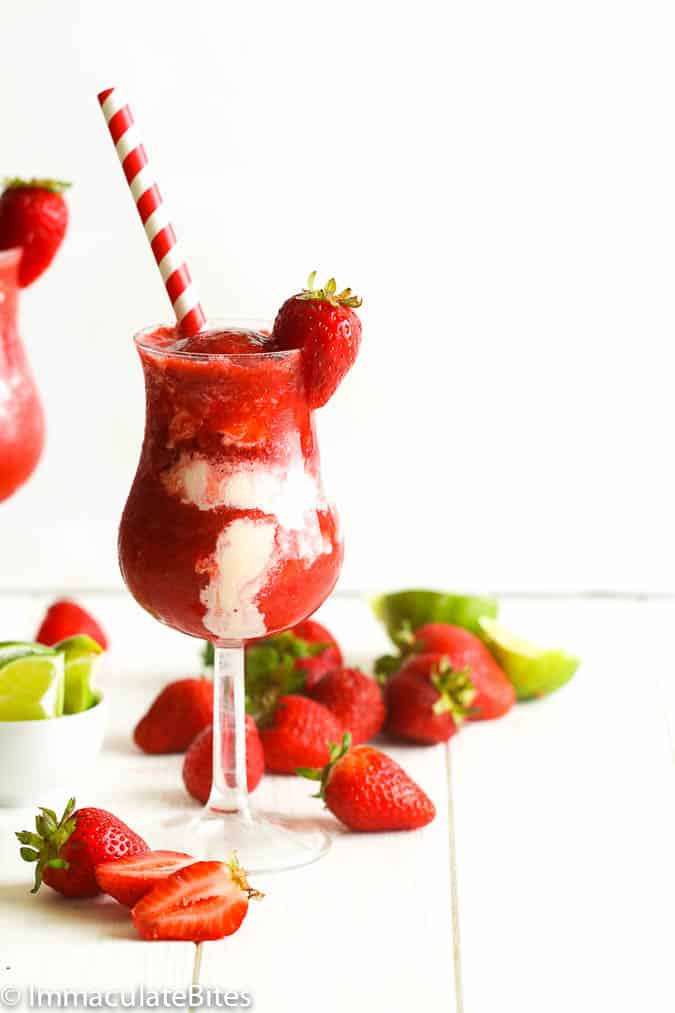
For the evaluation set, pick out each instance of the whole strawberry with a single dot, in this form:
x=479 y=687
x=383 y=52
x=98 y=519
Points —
x=198 y=762
x=356 y=701
x=317 y=664
x=427 y=699
x=284 y=663
x=297 y=735
x=321 y=322
x=34 y=216
x=369 y=791
x=180 y=712
x=494 y=694
x=65 y=618
x=287 y=663
x=66 y=851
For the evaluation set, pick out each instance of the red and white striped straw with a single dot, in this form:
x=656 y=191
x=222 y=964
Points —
x=151 y=208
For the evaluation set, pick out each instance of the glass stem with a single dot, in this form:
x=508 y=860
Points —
x=229 y=792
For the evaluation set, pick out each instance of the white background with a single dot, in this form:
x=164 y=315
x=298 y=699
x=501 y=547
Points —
x=496 y=179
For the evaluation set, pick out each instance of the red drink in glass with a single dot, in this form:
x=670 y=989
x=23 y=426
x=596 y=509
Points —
x=227 y=534
x=21 y=418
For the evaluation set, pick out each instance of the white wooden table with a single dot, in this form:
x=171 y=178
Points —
x=545 y=885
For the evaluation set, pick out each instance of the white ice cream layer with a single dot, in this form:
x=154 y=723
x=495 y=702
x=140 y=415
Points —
x=248 y=549
x=288 y=493
x=240 y=567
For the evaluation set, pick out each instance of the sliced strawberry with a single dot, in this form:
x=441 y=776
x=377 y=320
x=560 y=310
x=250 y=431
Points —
x=206 y=900
x=129 y=879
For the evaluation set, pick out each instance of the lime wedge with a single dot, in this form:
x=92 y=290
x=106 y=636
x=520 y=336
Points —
x=415 y=608
x=31 y=688
x=81 y=656
x=532 y=670
x=12 y=649
x=78 y=695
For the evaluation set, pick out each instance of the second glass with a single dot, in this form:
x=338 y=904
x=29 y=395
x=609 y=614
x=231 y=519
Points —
x=227 y=536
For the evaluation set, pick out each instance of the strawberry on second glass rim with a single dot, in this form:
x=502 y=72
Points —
x=33 y=217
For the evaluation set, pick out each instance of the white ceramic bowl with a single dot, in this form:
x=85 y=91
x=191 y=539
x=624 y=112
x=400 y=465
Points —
x=39 y=756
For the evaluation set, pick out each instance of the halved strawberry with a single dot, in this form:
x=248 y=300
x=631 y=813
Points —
x=207 y=900
x=129 y=879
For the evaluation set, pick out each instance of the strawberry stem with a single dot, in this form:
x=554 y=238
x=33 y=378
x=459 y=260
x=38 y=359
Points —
x=53 y=185
x=335 y=752
x=239 y=877
x=329 y=293
x=456 y=691
x=43 y=847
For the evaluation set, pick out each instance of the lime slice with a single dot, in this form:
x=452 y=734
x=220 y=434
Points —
x=419 y=607
x=31 y=688
x=532 y=670
x=12 y=649
x=81 y=655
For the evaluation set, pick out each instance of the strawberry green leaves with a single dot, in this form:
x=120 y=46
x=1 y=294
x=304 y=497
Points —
x=42 y=847
x=272 y=670
x=53 y=185
x=330 y=294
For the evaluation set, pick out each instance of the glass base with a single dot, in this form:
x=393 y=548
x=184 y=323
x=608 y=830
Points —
x=263 y=844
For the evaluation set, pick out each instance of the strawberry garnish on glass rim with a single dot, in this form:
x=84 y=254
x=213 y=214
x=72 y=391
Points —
x=321 y=322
